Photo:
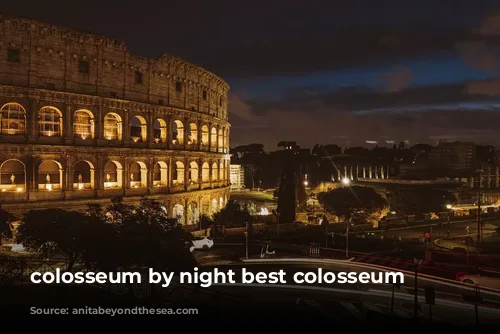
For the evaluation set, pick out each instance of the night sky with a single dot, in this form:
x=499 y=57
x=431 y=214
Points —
x=342 y=72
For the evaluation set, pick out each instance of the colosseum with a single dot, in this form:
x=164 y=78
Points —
x=83 y=120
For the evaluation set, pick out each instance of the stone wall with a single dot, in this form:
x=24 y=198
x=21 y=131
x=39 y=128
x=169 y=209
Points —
x=40 y=55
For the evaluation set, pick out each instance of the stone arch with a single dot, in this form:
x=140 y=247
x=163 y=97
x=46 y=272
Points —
x=220 y=142
x=13 y=175
x=138 y=129
x=213 y=137
x=160 y=133
x=138 y=175
x=112 y=129
x=160 y=174
x=83 y=175
x=221 y=170
x=205 y=135
x=193 y=213
x=178 y=213
x=113 y=174
x=178 y=132
x=205 y=205
x=193 y=134
x=50 y=122
x=83 y=124
x=213 y=206
x=50 y=175
x=178 y=173
x=205 y=172
x=194 y=172
x=13 y=119
x=215 y=172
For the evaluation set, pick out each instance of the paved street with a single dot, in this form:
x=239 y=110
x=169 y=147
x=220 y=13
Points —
x=355 y=300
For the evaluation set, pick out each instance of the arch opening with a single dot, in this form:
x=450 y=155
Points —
x=205 y=206
x=205 y=172
x=112 y=127
x=160 y=174
x=220 y=143
x=113 y=175
x=205 y=135
x=50 y=175
x=13 y=119
x=138 y=175
x=178 y=133
x=160 y=131
x=193 y=172
x=12 y=176
x=138 y=129
x=83 y=124
x=193 y=213
x=83 y=175
x=215 y=172
x=213 y=138
x=221 y=171
x=178 y=212
x=193 y=134
x=178 y=173
x=214 y=206
x=50 y=123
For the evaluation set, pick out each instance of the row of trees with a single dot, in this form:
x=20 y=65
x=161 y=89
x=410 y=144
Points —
x=121 y=237
x=365 y=204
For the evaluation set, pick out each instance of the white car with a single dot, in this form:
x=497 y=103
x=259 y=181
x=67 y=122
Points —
x=484 y=278
x=204 y=243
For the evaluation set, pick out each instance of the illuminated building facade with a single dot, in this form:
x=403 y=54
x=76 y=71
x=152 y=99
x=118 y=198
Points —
x=83 y=120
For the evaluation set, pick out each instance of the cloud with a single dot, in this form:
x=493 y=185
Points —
x=419 y=114
x=398 y=79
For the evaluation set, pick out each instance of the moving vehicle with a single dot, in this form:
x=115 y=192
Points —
x=486 y=278
x=202 y=242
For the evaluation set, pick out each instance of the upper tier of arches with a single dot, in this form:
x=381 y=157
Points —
x=84 y=126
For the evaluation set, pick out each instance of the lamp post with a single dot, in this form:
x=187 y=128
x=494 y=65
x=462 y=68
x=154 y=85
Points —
x=449 y=207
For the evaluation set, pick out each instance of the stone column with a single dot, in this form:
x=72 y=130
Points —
x=382 y=175
x=376 y=172
x=370 y=174
x=186 y=174
x=364 y=172
x=68 y=125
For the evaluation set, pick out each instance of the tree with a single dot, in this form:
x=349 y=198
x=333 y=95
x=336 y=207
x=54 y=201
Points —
x=424 y=200
x=287 y=195
x=205 y=221
x=356 y=203
x=232 y=215
x=54 y=231
x=6 y=220
x=301 y=195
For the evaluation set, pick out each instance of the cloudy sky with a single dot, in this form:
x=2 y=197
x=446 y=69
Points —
x=322 y=71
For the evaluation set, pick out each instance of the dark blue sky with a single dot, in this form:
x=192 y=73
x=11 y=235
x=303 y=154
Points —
x=322 y=71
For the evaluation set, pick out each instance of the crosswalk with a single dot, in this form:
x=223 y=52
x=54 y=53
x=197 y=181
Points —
x=386 y=261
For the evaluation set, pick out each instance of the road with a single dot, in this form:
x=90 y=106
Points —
x=357 y=298
x=440 y=230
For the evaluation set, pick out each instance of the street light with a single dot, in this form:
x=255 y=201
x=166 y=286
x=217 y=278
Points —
x=346 y=181
x=449 y=207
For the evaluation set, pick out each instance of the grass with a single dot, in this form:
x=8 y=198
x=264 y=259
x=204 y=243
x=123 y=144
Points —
x=255 y=196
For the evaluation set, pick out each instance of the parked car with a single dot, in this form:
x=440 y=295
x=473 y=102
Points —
x=202 y=242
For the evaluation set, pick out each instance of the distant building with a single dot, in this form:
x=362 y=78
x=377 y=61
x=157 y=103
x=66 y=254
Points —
x=237 y=177
x=453 y=156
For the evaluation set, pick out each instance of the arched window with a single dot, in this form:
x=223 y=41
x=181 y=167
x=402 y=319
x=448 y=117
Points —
x=160 y=131
x=50 y=122
x=138 y=129
x=112 y=127
x=83 y=124
x=13 y=119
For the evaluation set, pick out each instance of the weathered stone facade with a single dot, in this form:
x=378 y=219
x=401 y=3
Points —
x=83 y=120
